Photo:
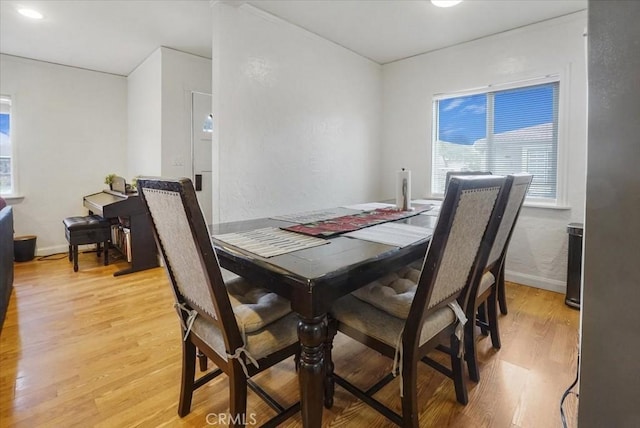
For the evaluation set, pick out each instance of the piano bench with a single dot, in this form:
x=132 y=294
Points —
x=91 y=229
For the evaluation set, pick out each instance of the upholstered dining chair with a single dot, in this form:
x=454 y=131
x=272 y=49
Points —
x=482 y=305
x=409 y=313
x=461 y=173
x=241 y=327
x=502 y=296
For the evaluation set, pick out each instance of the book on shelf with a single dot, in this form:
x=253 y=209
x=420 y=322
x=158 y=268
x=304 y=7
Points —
x=121 y=239
x=127 y=243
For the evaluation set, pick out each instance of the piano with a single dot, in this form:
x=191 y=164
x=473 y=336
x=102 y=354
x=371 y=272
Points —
x=114 y=205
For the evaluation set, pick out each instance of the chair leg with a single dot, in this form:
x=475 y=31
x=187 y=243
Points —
x=470 y=352
x=409 y=392
x=457 y=369
x=502 y=293
x=70 y=253
x=482 y=318
x=188 y=373
x=329 y=383
x=202 y=359
x=493 y=320
x=98 y=249
x=237 y=396
x=106 y=253
x=75 y=258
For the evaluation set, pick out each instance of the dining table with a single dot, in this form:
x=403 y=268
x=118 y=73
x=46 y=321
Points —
x=314 y=277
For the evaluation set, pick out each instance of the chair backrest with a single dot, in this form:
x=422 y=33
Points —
x=461 y=173
x=516 y=188
x=460 y=245
x=183 y=240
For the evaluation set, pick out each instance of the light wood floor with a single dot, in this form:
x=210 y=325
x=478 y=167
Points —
x=87 y=349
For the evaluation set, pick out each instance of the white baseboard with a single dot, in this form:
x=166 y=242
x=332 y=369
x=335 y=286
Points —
x=57 y=249
x=536 y=281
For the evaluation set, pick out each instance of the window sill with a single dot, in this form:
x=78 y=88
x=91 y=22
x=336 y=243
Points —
x=12 y=198
x=546 y=206
x=527 y=204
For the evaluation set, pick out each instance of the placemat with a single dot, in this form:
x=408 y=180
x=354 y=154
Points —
x=396 y=234
x=349 y=223
x=269 y=241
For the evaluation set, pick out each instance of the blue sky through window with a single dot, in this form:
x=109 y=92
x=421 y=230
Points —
x=523 y=107
x=463 y=120
x=4 y=123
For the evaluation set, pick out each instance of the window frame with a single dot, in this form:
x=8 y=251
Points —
x=562 y=79
x=15 y=189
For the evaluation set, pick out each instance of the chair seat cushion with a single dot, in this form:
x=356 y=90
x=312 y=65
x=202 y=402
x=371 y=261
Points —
x=487 y=281
x=384 y=327
x=392 y=293
x=254 y=307
x=259 y=343
x=264 y=318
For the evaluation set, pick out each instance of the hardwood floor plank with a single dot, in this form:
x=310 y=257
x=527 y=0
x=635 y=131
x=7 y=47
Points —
x=90 y=349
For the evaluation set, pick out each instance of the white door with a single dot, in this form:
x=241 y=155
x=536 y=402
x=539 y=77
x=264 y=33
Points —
x=201 y=155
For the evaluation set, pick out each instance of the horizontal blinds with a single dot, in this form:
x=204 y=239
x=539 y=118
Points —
x=505 y=132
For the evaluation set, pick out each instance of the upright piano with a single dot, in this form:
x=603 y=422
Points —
x=128 y=208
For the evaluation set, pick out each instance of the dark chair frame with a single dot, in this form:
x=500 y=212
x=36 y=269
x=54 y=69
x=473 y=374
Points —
x=445 y=341
x=483 y=306
x=450 y=174
x=225 y=321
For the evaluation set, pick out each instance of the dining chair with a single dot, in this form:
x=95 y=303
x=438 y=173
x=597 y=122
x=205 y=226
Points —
x=242 y=328
x=407 y=314
x=502 y=296
x=450 y=174
x=482 y=306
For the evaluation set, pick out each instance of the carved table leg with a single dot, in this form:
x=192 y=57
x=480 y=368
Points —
x=329 y=385
x=312 y=333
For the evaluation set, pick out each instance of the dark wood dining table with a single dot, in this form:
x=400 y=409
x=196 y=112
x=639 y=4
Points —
x=312 y=279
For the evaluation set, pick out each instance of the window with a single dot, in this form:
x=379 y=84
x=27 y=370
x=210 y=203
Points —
x=7 y=181
x=503 y=131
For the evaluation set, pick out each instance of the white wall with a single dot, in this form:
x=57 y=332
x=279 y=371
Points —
x=181 y=74
x=298 y=118
x=538 y=249
x=144 y=99
x=70 y=129
x=159 y=99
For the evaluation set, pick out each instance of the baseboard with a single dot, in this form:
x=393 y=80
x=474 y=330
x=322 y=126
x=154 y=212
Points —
x=57 y=249
x=536 y=281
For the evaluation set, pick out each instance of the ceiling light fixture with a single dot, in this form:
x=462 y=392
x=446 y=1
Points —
x=445 y=3
x=30 y=13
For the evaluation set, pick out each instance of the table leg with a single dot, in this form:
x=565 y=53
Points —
x=312 y=333
x=329 y=383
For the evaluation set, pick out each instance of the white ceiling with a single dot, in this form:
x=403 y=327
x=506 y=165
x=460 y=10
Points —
x=116 y=36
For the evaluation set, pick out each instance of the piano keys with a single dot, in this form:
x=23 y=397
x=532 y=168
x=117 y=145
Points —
x=112 y=205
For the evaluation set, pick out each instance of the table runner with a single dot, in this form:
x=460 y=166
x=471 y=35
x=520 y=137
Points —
x=327 y=228
x=319 y=215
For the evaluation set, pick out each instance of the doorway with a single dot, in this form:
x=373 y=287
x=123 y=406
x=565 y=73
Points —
x=201 y=154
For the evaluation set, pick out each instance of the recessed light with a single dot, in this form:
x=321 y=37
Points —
x=445 y=3
x=30 y=13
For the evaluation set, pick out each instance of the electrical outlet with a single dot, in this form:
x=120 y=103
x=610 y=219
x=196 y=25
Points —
x=178 y=161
